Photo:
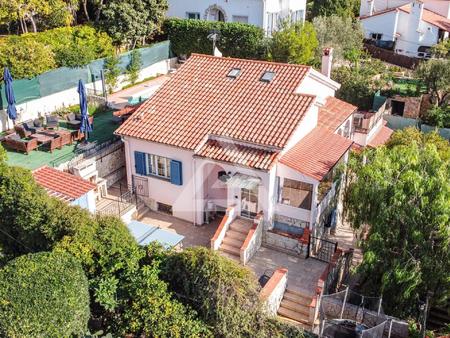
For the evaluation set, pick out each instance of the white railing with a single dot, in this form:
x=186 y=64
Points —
x=224 y=226
x=273 y=292
x=253 y=240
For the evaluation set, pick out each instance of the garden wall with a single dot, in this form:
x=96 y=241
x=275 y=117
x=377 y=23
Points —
x=58 y=88
x=391 y=57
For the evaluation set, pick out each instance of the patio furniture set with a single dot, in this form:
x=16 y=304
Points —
x=32 y=135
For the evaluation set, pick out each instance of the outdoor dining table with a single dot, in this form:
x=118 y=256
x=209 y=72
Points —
x=43 y=139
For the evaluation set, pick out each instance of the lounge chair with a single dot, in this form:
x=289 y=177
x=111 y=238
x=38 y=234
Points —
x=37 y=126
x=72 y=121
x=13 y=141
x=52 y=121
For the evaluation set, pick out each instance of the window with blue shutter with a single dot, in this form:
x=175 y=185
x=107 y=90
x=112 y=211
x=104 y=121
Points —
x=176 y=175
x=139 y=163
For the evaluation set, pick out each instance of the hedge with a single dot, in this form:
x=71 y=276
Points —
x=235 y=39
x=43 y=295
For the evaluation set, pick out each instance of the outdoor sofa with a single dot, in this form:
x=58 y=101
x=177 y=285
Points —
x=27 y=128
x=74 y=120
x=52 y=121
x=15 y=142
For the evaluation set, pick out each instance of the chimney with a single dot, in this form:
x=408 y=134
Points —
x=367 y=8
x=327 y=61
x=416 y=13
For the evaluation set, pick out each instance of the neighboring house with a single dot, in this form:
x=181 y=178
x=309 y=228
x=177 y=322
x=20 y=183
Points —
x=408 y=27
x=261 y=137
x=262 y=13
x=67 y=187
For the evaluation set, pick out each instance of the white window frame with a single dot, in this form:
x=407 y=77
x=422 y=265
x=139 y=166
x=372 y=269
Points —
x=238 y=18
x=151 y=161
x=196 y=14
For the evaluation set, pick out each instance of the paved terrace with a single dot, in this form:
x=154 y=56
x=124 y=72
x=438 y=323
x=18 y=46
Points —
x=104 y=128
x=303 y=273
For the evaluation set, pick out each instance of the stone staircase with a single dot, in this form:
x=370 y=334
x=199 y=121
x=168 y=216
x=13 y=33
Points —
x=295 y=308
x=235 y=237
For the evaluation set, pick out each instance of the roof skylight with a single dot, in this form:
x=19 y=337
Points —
x=268 y=76
x=234 y=73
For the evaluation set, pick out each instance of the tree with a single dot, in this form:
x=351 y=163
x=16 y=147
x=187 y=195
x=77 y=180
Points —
x=439 y=117
x=442 y=49
x=361 y=80
x=112 y=72
x=25 y=57
x=128 y=22
x=402 y=194
x=294 y=43
x=341 y=33
x=343 y=8
x=435 y=75
x=43 y=295
x=134 y=66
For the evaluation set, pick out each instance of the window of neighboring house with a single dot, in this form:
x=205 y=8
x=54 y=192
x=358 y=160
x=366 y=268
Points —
x=376 y=36
x=193 y=15
x=357 y=122
x=158 y=166
x=295 y=193
x=347 y=131
x=272 y=22
x=240 y=18
x=297 y=16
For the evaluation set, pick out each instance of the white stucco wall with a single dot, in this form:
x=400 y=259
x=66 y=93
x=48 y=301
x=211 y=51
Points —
x=87 y=201
x=385 y=24
x=318 y=85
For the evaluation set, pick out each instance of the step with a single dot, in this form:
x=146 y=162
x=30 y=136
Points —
x=299 y=317
x=230 y=249
x=229 y=256
x=239 y=227
x=232 y=242
x=236 y=235
x=297 y=297
x=304 y=326
x=288 y=304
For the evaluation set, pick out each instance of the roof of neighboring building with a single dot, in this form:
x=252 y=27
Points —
x=334 y=113
x=229 y=151
x=200 y=100
x=381 y=137
x=317 y=153
x=127 y=110
x=428 y=16
x=59 y=184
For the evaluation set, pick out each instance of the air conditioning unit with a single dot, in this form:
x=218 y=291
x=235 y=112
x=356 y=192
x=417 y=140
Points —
x=87 y=170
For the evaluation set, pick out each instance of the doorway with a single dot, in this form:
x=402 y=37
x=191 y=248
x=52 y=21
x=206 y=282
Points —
x=249 y=202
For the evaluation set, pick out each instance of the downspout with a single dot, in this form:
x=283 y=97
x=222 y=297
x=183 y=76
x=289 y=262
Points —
x=195 y=190
x=264 y=27
x=397 y=13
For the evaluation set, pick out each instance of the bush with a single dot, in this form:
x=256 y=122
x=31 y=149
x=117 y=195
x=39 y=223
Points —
x=43 y=295
x=439 y=117
x=235 y=39
x=112 y=72
x=134 y=66
x=25 y=57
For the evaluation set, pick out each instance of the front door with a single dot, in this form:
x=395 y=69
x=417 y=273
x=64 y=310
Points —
x=249 y=202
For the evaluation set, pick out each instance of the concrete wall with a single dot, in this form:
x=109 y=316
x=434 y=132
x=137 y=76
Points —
x=48 y=104
x=111 y=166
x=273 y=292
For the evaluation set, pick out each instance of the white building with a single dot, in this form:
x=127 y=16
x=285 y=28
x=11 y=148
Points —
x=262 y=13
x=412 y=27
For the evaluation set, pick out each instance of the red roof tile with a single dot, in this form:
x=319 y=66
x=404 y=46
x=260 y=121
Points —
x=381 y=137
x=200 y=100
x=428 y=16
x=232 y=152
x=334 y=113
x=317 y=153
x=128 y=109
x=59 y=184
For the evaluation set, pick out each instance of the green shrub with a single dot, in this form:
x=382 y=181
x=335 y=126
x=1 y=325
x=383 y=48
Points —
x=235 y=39
x=112 y=72
x=439 y=117
x=25 y=57
x=134 y=66
x=43 y=295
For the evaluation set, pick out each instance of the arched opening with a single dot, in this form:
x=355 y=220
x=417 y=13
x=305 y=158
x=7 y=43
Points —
x=215 y=191
x=215 y=13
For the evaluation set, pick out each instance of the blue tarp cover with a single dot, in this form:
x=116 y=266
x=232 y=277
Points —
x=145 y=234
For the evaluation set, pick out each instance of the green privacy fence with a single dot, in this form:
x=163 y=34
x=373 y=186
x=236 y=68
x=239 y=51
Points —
x=65 y=78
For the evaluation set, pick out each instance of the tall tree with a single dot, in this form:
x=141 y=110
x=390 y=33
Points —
x=343 y=8
x=435 y=75
x=128 y=22
x=403 y=194
x=294 y=43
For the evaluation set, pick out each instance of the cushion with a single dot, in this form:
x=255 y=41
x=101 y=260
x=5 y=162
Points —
x=71 y=117
x=37 y=123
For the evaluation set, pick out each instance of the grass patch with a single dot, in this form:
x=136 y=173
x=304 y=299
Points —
x=139 y=82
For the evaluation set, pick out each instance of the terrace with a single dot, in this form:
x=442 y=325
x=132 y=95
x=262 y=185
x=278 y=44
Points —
x=104 y=127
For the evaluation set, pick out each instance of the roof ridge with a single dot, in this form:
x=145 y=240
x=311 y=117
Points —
x=250 y=60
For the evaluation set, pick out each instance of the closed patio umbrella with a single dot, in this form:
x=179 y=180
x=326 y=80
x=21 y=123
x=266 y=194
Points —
x=85 y=126
x=9 y=93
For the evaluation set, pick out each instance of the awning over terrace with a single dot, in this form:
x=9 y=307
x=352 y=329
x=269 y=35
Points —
x=146 y=234
x=243 y=181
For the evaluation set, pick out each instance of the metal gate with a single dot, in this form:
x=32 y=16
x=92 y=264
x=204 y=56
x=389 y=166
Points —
x=321 y=249
x=140 y=186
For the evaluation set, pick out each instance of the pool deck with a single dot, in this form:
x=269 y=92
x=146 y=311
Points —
x=119 y=99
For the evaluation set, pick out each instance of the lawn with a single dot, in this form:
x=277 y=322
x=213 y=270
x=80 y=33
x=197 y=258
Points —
x=407 y=87
x=104 y=128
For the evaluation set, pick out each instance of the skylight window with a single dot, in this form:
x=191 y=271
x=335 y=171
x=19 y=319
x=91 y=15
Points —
x=234 y=73
x=268 y=76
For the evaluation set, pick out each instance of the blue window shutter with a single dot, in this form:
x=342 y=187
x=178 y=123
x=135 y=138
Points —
x=176 y=172
x=139 y=163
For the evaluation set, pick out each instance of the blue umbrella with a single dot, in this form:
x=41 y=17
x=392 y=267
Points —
x=85 y=127
x=9 y=92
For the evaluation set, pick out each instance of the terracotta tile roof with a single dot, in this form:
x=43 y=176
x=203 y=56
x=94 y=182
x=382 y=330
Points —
x=59 y=184
x=428 y=16
x=317 y=153
x=381 y=137
x=128 y=109
x=334 y=113
x=232 y=152
x=200 y=100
